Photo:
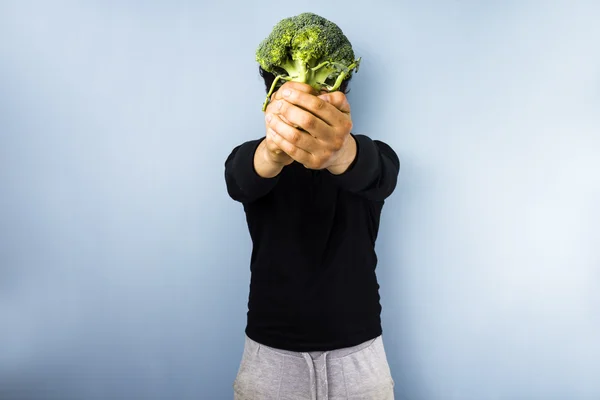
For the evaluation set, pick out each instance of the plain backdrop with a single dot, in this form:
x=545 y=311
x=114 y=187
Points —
x=124 y=265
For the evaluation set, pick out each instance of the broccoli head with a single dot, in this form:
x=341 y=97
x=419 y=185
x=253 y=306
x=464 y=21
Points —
x=307 y=48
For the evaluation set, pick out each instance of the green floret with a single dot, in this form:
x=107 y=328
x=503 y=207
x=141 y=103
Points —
x=310 y=49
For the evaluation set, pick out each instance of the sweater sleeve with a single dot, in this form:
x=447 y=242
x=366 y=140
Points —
x=243 y=182
x=374 y=171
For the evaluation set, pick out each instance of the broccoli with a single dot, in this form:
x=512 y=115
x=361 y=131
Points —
x=307 y=48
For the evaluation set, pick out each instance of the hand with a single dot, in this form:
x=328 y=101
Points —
x=312 y=129
x=269 y=158
x=273 y=152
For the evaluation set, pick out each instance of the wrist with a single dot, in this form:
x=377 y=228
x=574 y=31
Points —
x=346 y=157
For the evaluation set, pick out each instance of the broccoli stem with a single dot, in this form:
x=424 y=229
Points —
x=342 y=75
x=324 y=63
x=305 y=74
x=273 y=85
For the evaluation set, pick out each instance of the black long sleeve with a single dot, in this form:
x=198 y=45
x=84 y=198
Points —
x=373 y=173
x=313 y=284
x=243 y=183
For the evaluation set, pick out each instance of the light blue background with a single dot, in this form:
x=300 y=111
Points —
x=124 y=264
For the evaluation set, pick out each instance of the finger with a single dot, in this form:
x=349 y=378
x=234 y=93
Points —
x=299 y=117
x=338 y=100
x=295 y=152
x=294 y=136
x=313 y=104
x=272 y=110
x=283 y=118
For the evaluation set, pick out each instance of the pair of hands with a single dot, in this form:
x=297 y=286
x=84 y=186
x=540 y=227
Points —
x=310 y=128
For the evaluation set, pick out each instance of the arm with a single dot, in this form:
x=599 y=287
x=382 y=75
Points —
x=373 y=172
x=252 y=169
x=243 y=170
x=356 y=163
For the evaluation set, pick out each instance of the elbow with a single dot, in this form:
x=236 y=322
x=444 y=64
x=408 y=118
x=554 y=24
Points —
x=233 y=190
x=388 y=181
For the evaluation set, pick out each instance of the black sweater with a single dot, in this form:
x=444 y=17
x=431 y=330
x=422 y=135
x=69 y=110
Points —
x=313 y=283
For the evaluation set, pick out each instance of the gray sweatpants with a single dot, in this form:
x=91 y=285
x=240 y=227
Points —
x=354 y=373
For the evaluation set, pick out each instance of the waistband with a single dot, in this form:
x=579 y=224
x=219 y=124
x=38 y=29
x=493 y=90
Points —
x=331 y=354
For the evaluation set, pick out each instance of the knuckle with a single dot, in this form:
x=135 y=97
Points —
x=308 y=121
x=295 y=137
x=317 y=162
x=348 y=125
x=319 y=104
x=339 y=143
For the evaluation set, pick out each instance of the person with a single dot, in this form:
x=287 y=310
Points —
x=312 y=192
